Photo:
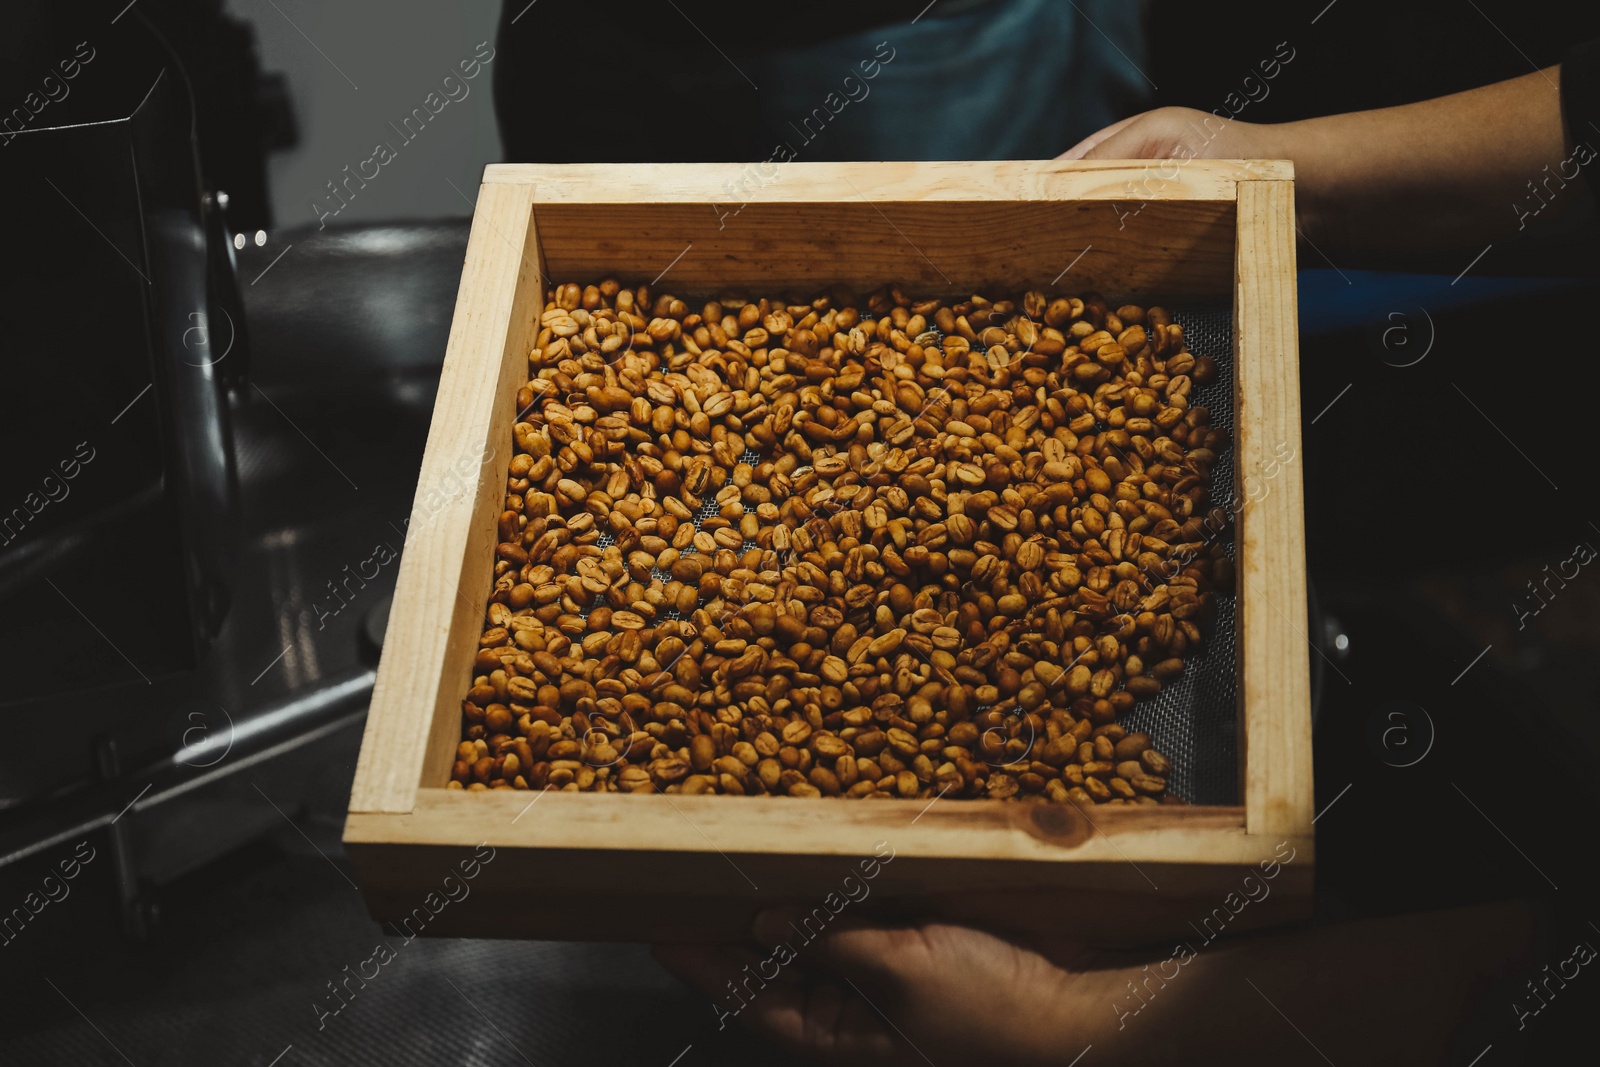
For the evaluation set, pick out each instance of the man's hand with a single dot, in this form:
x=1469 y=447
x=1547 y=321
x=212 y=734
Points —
x=1180 y=133
x=1399 y=184
x=1377 y=991
x=907 y=995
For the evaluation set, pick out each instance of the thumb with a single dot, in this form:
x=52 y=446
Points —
x=1090 y=146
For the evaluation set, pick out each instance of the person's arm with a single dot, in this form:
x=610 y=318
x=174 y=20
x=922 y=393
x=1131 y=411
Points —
x=1380 y=991
x=1448 y=173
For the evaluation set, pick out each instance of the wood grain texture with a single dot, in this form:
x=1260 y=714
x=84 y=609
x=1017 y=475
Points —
x=1274 y=664
x=1034 y=179
x=698 y=868
x=1176 y=251
x=446 y=569
x=1144 y=231
x=974 y=829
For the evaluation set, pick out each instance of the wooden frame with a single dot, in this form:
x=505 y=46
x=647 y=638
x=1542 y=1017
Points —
x=658 y=867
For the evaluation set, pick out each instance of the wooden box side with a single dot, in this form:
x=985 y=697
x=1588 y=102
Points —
x=698 y=868
x=730 y=184
x=414 y=719
x=934 y=228
x=1274 y=665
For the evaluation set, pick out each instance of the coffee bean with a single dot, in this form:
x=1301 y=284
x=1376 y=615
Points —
x=973 y=533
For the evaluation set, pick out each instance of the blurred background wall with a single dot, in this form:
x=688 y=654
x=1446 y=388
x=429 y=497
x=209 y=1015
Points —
x=353 y=68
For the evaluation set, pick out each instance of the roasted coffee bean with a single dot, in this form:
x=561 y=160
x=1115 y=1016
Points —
x=852 y=548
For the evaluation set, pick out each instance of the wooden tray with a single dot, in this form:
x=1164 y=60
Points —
x=633 y=867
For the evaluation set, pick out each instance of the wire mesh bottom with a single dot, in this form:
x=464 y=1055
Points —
x=1193 y=720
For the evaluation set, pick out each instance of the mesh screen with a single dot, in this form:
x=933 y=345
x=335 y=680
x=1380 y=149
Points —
x=1192 y=720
